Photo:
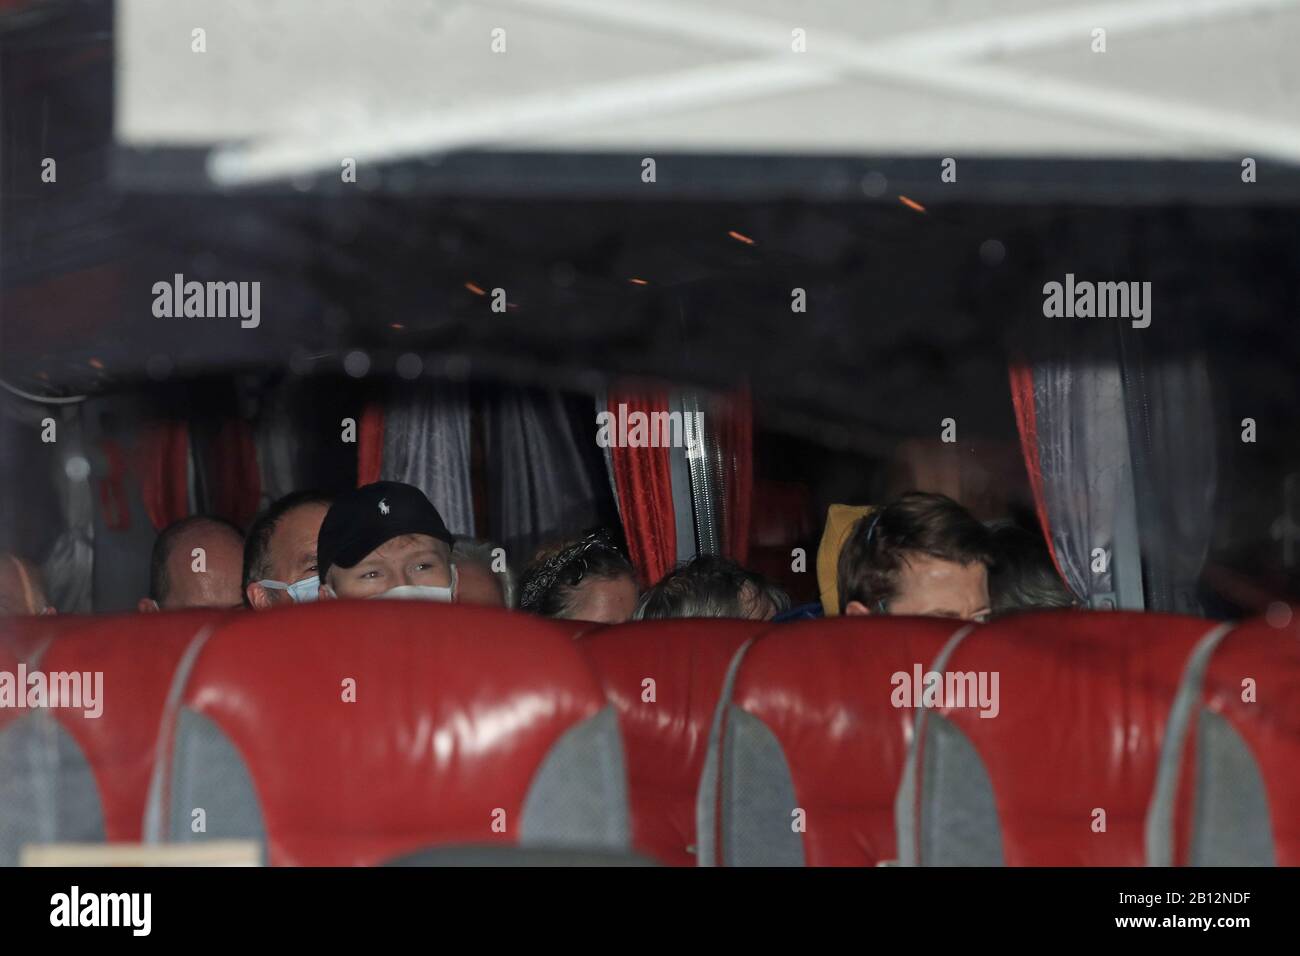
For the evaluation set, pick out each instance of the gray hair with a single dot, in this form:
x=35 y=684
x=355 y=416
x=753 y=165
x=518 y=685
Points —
x=483 y=552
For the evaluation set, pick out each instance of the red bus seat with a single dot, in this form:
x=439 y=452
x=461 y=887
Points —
x=1063 y=775
x=1229 y=782
x=69 y=777
x=808 y=750
x=356 y=733
x=665 y=738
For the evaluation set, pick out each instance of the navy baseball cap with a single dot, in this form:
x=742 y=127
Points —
x=360 y=521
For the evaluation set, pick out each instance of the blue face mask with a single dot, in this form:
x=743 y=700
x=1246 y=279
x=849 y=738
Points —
x=300 y=592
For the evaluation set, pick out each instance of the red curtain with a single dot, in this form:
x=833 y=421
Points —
x=370 y=444
x=643 y=479
x=113 y=502
x=1022 y=397
x=734 y=418
x=237 y=482
x=163 y=465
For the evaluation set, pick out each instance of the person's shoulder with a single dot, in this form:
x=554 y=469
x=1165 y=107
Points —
x=802 y=612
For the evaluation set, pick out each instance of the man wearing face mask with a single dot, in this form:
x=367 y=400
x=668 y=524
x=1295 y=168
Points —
x=280 y=551
x=385 y=540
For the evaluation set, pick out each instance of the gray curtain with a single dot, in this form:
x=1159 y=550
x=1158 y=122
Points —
x=1088 y=481
x=1129 y=459
x=280 y=452
x=427 y=444
x=1172 y=434
x=69 y=557
x=543 y=468
x=69 y=567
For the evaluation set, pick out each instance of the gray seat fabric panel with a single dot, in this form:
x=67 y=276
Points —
x=1231 y=824
x=155 y=820
x=1159 y=830
x=48 y=792
x=208 y=773
x=906 y=801
x=706 y=797
x=579 y=796
x=758 y=797
x=959 y=816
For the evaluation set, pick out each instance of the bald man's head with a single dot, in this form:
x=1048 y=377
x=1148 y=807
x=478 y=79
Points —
x=21 y=589
x=196 y=562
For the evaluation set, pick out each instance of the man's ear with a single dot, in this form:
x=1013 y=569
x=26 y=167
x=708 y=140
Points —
x=856 y=609
x=258 y=599
x=147 y=606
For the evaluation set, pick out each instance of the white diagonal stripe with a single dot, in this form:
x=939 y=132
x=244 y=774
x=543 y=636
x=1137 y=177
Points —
x=937 y=59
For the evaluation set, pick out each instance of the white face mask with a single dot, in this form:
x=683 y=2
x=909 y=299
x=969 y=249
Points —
x=421 y=592
x=300 y=592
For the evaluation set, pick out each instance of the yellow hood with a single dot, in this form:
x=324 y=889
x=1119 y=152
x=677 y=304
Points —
x=840 y=520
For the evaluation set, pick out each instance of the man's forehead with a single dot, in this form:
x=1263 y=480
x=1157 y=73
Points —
x=927 y=565
x=944 y=588
x=929 y=571
x=302 y=522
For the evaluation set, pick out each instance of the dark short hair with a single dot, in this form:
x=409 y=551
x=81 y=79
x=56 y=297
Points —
x=915 y=523
x=549 y=585
x=159 y=584
x=708 y=585
x=1023 y=575
x=258 y=544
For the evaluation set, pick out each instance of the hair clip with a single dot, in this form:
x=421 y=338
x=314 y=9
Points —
x=546 y=576
x=871 y=528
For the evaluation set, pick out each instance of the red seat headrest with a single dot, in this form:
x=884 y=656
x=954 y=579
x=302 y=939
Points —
x=665 y=738
x=369 y=730
x=821 y=690
x=1252 y=681
x=1082 y=703
x=137 y=654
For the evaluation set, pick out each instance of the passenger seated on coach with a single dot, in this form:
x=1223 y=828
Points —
x=712 y=586
x=922 y=554
x=1023 y=576
x=483 y=574
x=280 y=553
x=196 y=562
x=588 y=580
x=385 y=540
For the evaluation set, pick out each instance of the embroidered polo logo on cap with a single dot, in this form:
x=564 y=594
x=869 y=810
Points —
x=383 y=506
